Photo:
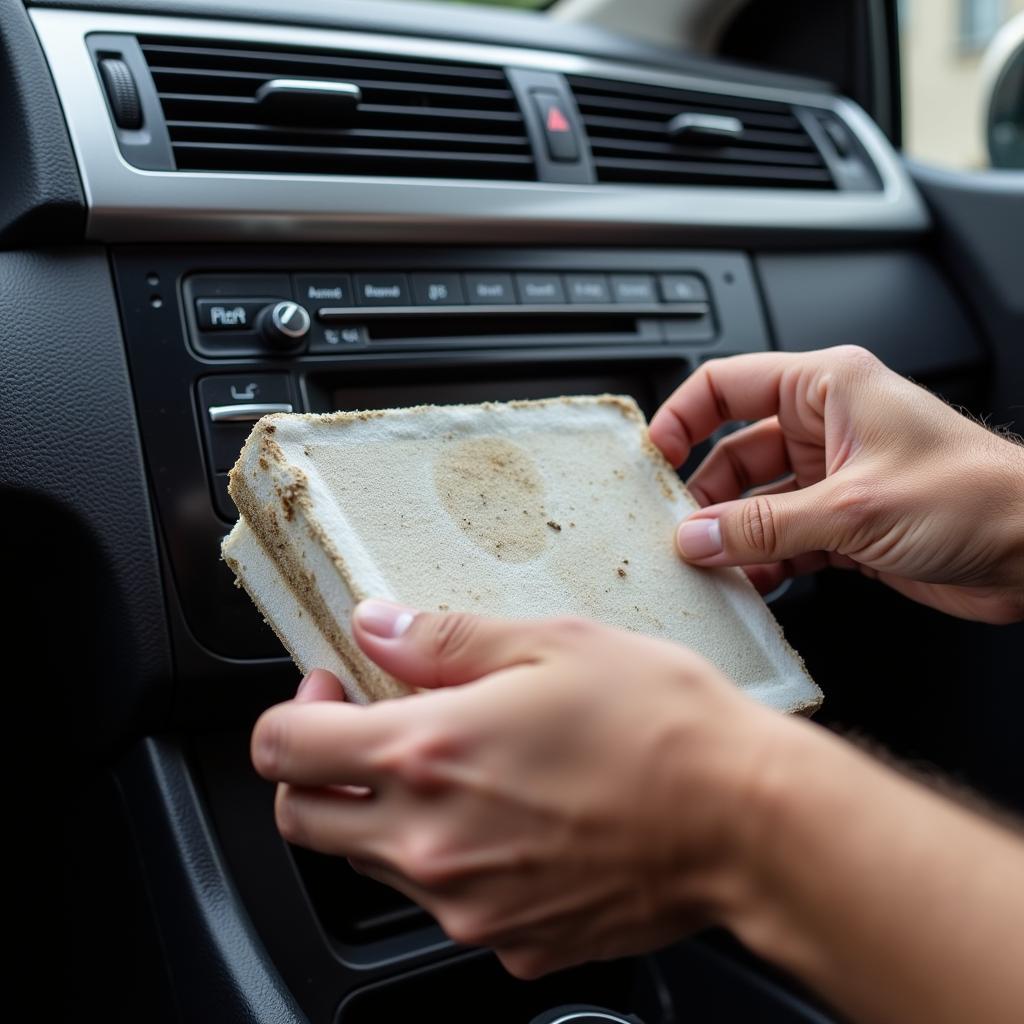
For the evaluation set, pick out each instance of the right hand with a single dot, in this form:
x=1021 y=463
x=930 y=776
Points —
x=849 y=464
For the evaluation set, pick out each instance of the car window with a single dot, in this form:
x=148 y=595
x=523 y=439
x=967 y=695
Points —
x=946 y=50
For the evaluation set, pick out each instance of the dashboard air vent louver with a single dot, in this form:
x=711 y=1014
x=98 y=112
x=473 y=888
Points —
x=647 y=134
x=243 y=108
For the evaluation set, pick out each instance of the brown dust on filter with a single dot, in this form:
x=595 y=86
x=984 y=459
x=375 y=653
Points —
x=494 y=493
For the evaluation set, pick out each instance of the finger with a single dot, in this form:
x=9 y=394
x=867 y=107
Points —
x=393 y=878
x=722 y=390
x=429 y=649
x=320 y=685
x=773 y=574
x=977 y=604
x=766 y=578
x=783 y=486
x=332 y=822
x=764 y=529
x=322 y=743
x=754 y=455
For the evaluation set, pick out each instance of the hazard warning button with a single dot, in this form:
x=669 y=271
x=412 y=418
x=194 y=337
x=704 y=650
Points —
x=559 y=131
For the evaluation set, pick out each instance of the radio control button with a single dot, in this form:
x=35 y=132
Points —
x=588 y=288
x=540 y=289
x=490 y=289
x=284 y=324
x=382 y=290
x=323 y=289
x=331 y=338
x=634 y=288
x=228 y=314
x=683 y=288
x=437 y=290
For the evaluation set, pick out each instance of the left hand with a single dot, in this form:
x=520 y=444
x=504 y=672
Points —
x=568 y=792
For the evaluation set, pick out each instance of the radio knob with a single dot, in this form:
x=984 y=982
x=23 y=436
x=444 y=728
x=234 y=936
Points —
x=284 y=324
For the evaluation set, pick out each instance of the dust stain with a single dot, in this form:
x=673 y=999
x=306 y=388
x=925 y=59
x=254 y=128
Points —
x=479 y=482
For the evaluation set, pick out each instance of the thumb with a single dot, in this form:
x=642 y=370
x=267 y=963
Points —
x=756 y=530
x=432 y=649
x=319 y=685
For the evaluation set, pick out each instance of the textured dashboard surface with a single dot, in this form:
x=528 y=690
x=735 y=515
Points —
x=40 y=196
x=220 y=968
x=70 y=446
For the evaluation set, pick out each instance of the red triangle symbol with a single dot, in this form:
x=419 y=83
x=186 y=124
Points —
x=557 y=121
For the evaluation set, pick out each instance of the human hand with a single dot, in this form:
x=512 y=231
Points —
x=581 y=797
x=877 y=474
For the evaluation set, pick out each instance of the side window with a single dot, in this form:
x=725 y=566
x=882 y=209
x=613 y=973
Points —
x=956 y=55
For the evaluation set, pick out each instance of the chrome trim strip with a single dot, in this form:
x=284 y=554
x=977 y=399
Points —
x=129 y=204
x=245 y=413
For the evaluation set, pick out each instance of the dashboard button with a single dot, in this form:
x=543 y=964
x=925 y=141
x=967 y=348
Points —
x=437 y=290
x=225 y=439
x=382 y=290
x=683 y=288
x=258 y=388
x=323 y=289
x=588 y=288
x=228 y=314
x=490 y=289
x=559 y=134
x=540 y=289
x=633 y=288
x=284 y=325
x=337 y=338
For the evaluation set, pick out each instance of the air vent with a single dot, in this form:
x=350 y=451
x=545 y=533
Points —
x=652 y=135
x=243 y=108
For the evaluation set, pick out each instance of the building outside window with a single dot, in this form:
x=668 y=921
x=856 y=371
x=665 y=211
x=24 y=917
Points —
x=942 y=44
x=980 y=20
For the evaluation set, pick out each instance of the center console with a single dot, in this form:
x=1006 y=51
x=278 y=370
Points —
x=219 y=336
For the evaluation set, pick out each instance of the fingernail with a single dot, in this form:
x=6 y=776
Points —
x=384 y=619
x=700 y=538
x=302 y=685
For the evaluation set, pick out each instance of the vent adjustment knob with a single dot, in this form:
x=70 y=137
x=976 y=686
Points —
x=122 y=93
x=284 y=324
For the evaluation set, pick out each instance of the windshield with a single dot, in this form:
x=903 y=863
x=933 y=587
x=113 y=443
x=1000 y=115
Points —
x=532 y=5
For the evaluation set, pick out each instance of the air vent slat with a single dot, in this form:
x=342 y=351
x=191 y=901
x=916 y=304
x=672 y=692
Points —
x=346 y=151
x=204 y=131
x=597 y=87
x=312 y=65
x=336 y=160
x=656 y=112
x=677 y=172
x=637 y=137
x=415 y=118
x=620 y=128
x=245 y=83
x=667 y=151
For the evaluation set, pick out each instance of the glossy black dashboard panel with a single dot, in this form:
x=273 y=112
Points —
x=632 y=321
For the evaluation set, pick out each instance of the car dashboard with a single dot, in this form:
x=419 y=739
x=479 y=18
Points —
x=506 y=212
